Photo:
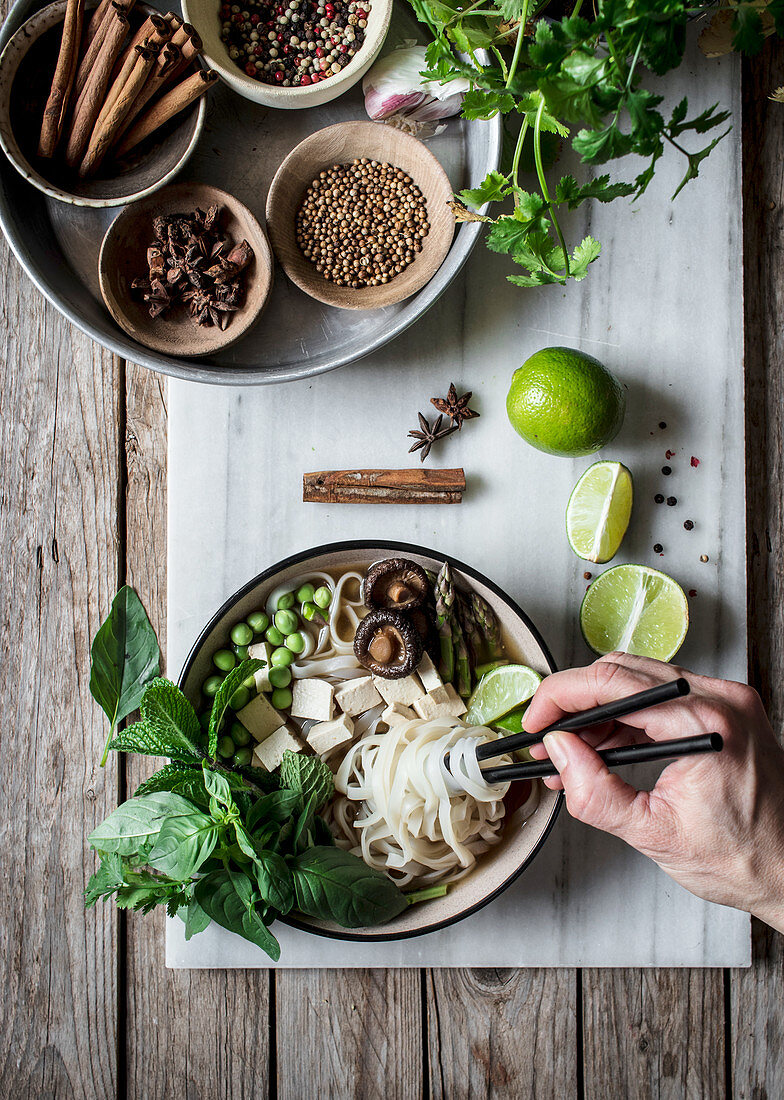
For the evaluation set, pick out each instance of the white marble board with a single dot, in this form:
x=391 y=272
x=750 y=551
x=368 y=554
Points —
x=662 y=308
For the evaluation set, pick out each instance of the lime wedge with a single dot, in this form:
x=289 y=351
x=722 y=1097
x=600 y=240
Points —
x=598 y=511
x=637 y=610
x=499 y=691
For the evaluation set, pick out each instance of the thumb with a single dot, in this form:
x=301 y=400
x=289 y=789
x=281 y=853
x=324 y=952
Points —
x=593 y=794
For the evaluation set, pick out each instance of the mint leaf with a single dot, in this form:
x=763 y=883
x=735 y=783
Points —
x=220 y=704
x=125 y=658
x=169 y=722
x=229 y=899
x=146 y=740
x=184 y=843
x=176 y=776
x=332 y=884
x=128 y=828
x=308 y=775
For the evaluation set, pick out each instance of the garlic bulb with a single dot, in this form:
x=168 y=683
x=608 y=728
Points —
x=394 y=89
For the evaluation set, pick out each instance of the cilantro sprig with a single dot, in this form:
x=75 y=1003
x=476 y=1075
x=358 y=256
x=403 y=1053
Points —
x=587 y=76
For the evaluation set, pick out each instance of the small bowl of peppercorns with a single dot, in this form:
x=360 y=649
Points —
x=290 y=53
x=359 y=215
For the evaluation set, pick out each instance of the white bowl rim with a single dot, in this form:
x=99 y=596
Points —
x=33 y=177
x=400 y=548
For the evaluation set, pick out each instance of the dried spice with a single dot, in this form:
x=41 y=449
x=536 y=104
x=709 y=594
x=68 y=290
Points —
x=688 y=525
x=427 y=434
x=657 y=549
x=659 y=498
x=193 y=263
x=666 y=470
x=695 y=462
x=456 y=408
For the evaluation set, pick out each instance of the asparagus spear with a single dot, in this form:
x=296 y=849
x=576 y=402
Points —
x=486 y=622
x=462 y=660
x=445 y=598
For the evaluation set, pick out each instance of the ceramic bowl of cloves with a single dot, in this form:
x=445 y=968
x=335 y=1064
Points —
x=101 y=103
x=186 y=271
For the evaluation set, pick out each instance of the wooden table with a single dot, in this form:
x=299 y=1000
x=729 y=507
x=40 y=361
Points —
x=88 y=1009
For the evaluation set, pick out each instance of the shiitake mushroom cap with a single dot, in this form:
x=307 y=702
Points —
x=388 y=644
x=396 y=583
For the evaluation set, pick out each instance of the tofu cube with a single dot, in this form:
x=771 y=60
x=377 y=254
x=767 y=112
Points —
x=328 y=735
x=457 y=704
x=433 y=705
x=269 y=753
x=397 y=713
x=262 y=651
x=357 y=696
x=260 y=717
x=406 y=690
x=313 y=698
x=428 y=674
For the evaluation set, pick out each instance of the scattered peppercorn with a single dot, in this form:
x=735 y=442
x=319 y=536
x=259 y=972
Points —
x=692 y=592
x=587 y=576
x=689 y=525
x=704 y=558
x=672 y=501
x=361 y=224
x=657 y=548
x=658 y=499
x=662 y=424
x=293 y=43
x=666 y=470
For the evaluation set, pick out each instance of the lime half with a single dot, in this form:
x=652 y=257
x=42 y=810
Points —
x=636 y=610
x=499 y=691
x=599 y=510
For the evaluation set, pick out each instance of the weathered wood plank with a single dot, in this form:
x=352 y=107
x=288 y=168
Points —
x=502 y=1033
x=349 y=1034
x=653 y=1033
x=189 y=1033
x=58 y=530
x=758 y=993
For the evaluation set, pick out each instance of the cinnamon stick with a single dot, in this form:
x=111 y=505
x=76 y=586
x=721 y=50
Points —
x=167 y=107
x=88 y=106
x=415 y=486
x=90 y=55
x=154 y=25
x=107 y=129
x=152 y=41
x=94 y=22
x=175 y=57
x=63 y=79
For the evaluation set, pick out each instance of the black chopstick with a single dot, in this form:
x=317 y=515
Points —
x=605 y=712
x=625 y=754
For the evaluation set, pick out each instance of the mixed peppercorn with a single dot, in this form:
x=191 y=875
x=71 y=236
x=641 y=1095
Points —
x=295 y=43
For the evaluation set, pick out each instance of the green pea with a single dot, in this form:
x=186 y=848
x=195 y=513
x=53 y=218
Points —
x=249 y=682
x=311 y=612
x=295 y=642
x=287 y=622
x=281 y=657
x=226 y=748
x=239 y=735
x=241 y=634
x=242 y=757
x=224 y=659
x=322 y=596
x=281 y=698
x=258 y=621
x=306 y=593
x=286 y=601
x=240 y=698
x=204 y=721
x=211 y=685
x=280 y=677
x=241 y=652
x=274 y=636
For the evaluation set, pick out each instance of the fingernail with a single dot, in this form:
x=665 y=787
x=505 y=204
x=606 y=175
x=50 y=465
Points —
x=552 y=743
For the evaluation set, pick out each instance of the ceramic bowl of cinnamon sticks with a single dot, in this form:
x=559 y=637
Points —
x=101 y=103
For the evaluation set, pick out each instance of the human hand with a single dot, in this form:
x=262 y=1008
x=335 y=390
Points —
x=714 y=823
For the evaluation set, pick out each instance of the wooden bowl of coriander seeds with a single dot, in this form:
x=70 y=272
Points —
x=358 y=215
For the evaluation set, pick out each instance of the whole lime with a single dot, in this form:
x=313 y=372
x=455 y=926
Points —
x=565 y=402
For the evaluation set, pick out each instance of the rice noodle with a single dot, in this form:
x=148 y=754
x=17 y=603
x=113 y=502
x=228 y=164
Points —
x=403 y=812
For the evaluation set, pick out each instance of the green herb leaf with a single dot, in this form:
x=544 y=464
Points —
x=482 y=103
x=184 y=843
x=332 y=884
x=217 y=786
x=196 y=920
x=220 y=704
x=136 y=822
x=493 y=188
x=168 y=726
x=275 y=881
x=695 y=160
x=228 y=899
x=584 y=254
x=125 y=658
x=277 y=807
x=309 y=775
x=109 y=877
x=176 y=776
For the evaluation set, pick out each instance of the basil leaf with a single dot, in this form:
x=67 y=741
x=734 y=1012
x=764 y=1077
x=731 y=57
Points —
x=309 y=775
x=227 y=898
x=196 y=920
x=136 y=821
x=301 y=836
x=322 y=834
x=244 y=840
x=183 y=844
x=333 y=884
x=274 y=879
x=124 y=658
x=217 y=786
x=220 y=704
x=278 y=806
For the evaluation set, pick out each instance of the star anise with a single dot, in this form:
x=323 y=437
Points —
x=428 y=434
x=456 y=408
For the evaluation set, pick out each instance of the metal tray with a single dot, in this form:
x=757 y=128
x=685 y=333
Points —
x=241 y=146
